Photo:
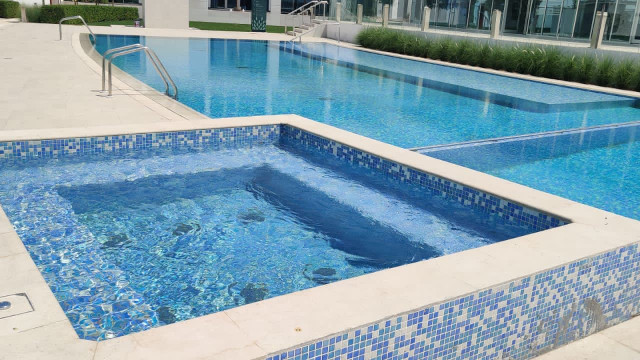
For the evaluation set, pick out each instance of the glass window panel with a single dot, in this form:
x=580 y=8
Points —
x=441 y=13
x=458 y=13
x=623 y=20
x=586 y=12
x=537 y=16
x=286 y=6
x=567 y=18
x=516 y=16
x=636 y=38
x=480 y=14
x=551 y=17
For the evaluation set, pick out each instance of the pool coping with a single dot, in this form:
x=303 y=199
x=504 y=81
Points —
x=258 y=329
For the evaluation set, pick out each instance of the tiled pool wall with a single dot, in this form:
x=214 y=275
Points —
x=507 y=211
x=210 y=138
x=516 y=320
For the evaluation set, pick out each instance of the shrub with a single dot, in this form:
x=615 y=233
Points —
x=9 y=9
x=33 y=13
x=53 y=13
x=543 y=61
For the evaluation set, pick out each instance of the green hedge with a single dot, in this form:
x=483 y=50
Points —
x=9 y=9
x=53 y=13
x=540 y=61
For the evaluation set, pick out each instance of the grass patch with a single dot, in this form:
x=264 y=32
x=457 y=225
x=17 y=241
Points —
x=232 y=27
x=542 y=61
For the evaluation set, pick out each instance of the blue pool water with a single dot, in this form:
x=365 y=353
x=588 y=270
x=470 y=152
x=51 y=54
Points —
x=132 y=240
x=418 y=104
x=596 y=167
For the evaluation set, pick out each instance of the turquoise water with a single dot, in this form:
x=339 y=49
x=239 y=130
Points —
x=226 y=78
x=595 y=167
x=133 y=240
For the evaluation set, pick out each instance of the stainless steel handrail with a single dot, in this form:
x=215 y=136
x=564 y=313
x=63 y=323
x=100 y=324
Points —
x=302 y=11
x=74 y=18
x=111 y=51
x=294 y=12
x=157 y=64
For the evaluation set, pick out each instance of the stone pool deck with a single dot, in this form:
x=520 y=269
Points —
x=49 y=89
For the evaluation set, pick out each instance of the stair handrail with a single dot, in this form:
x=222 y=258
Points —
x=74 y=18
x=303 y=10
x=312 y=2
x=112 y=54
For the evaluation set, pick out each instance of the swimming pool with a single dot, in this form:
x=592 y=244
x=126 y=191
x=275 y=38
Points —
x=597 y=167
x=137 y=231
x=398 y=101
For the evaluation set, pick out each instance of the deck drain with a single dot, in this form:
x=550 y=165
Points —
x=16 y=304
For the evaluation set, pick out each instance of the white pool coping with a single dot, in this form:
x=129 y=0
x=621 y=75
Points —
x=258 y=329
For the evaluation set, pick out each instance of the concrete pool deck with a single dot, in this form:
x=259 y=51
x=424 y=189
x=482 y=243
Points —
x=55 y=96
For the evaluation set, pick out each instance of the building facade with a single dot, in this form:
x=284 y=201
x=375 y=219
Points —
x=547 y=18
x=562 y=19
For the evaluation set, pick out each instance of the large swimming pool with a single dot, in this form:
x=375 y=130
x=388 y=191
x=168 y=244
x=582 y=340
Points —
x=398 y=101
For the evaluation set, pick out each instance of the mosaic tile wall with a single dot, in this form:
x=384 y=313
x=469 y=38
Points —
x=509 y=212
x=517 y=320
x=214 y=138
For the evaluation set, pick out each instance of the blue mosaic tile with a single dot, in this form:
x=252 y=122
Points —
x=214 y=138
x=517 y=320
x=507 y=211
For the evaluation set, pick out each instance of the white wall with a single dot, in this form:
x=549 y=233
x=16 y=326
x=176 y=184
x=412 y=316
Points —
x=32 y=2
x=199 y=11
x=168 y=14
x=344 y=32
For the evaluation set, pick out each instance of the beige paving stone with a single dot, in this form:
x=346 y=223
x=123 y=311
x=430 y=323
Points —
x=10 y=244
x=5 y=224
x=56 y=341
x=208 y=337
x=594 y=347
x=626 y=333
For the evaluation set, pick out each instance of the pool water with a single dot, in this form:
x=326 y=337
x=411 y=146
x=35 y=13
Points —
x=596 y=167
x=133 y=240
x=227 y=78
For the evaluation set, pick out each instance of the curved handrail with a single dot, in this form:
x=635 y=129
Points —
x=157 y=64
x=111 y=51
x=74 y=18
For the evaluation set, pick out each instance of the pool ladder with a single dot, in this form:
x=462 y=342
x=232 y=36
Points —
x=77 y=17
x=110 y=55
